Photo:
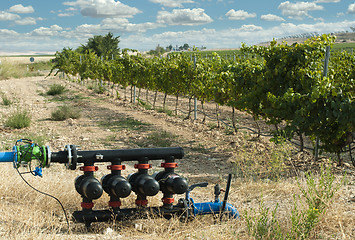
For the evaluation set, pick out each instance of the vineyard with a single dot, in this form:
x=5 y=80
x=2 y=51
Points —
x=291 y=87
x=280 y=192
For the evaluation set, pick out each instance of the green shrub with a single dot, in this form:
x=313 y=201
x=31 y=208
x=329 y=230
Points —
x=264 y=224
x=97 y=88
x=161 y=139
x=18 y=120
x=157 y=139
x=144 y=104
x=65 y=112
x=56 y=89
x=317 y=194
x=165 y=110
x=124 y=123
x=6 y=101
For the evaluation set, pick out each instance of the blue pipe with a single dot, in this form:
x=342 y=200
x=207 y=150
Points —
x=214 y=207
x=7 y=156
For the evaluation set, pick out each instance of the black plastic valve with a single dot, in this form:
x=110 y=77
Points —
x=116 y=185
x=88 y=187
x=171 y=183
x=143 y=184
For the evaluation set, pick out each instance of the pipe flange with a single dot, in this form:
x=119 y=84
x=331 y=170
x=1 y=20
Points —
x=74 y=153
x=49 y=156
x=70 y=158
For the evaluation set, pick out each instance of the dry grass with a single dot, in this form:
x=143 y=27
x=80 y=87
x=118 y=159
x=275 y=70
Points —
x=12 y=68
x=26 y=214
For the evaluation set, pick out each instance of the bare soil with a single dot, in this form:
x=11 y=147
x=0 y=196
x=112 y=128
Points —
x=261 y=169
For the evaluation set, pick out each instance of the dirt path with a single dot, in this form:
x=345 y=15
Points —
x=105 y=123
x=93 y=129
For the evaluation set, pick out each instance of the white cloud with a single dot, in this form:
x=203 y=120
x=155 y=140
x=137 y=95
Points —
x=351 y=8
x=298 y=10
x=120 y=25
x=230 y=38
x=271 y=18
x=6 y=16
x=188 y=17
x=328 y=1
x=286 y=29
x=55 y=38
x=87 y=29
x=104 y=8
x=239 y=15
x=53 y=30
x=319 y=19
x=123 y=25
x=250 y=28
x=71 y=9
x=65 y=14
x=7 y=33
x=172 y=3
x=26 y=21
x=19 y=8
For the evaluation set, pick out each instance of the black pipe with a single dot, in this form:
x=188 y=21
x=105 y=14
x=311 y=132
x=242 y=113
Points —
x=125 y=214
x=229 y=180
x=122 y=154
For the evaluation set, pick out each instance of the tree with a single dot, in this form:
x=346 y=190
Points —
x=105 y=46
x=186 y=46
x=169 y=48
x=158 y=51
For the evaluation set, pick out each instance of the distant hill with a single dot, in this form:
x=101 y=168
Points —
x=342 y=37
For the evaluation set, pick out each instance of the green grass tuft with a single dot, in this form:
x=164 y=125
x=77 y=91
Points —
x=97 y=88
x=6 y=101
x=18 y=120
x=144 y=104
x=165 y=110
x=56 y=89
x=120 y=124
x=65 y=112
x=157 y=139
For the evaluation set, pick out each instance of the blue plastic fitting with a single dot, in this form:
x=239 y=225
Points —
x=7 y=156
x=214 y=207
x=38 y=171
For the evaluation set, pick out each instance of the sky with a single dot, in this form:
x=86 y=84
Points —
x=47 y=26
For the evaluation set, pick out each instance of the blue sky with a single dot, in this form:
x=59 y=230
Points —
x=45 y=26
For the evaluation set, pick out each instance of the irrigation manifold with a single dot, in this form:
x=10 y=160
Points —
x=35 y=157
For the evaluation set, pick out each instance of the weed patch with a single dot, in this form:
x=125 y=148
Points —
x=56 y=89
x=68 y=98
x=157 y=139
x=264 y=223
x=250 y=163
x=6 y=101
x=144 y=104
x=317 y=194
x=97 y=88
x=165 y=110
x=18 y=120
x=65 y=112
x=120 y=124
